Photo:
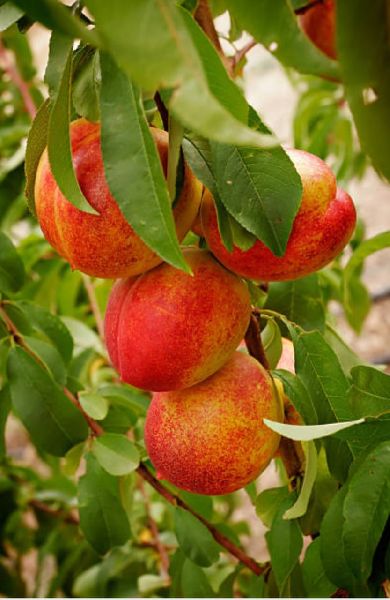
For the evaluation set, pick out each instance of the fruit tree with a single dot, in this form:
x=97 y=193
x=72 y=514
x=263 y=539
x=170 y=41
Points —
x=179 y=416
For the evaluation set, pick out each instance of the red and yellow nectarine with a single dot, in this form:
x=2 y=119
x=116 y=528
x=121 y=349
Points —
x=319 y=24
x=167 y=330
x=322 y=227
x=103 y=245
x=210 y=438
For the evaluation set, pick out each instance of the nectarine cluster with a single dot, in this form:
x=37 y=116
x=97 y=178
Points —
x=175 y=333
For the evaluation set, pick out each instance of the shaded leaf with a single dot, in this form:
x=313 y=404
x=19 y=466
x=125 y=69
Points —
x=52 y=420
x=49 y=356
x=194 y=539
x=370 y=392
x=9 y=14
x=365 y=74
x=317 y=585
x=11 y=267
x=194 y=582
x=268 y=502
x=36 y=143
x=103 y=520
x=299 y=300
x=298 y=395
x=5 y=407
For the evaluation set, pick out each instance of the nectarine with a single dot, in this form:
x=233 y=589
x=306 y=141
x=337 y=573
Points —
x=167 y=330
x=103 y=245
x=210 y=438
x=318 y=22
x=322 y=227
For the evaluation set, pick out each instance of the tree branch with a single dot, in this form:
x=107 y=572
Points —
x=239 y=55
x=204 y=18
x=89 y=288
x=14 y=75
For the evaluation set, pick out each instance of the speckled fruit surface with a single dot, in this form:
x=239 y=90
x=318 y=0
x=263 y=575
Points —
x=168 y=330
x=323 y=226
x=210 y=438
x=319 y=25
x=102 y=245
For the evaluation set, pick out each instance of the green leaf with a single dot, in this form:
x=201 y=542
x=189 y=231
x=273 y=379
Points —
x=299 y=508
x=305 y=433
x=50 y=358
x=55 y=15
x=127 y=397
x=60 y=155
x=317 y=585
x=132 y=165
x=50 y=325
x=9 y=14
x=194 y=582
x=299 y=300
x=365 y=74
x=72 y=459
x=116 y=453
x=370 y=392
x=366 y=435
x=275 y=25
x=203 y=505
x=366 y=509
x=355 y=296
x=194 y=539
x=86 y=84
x=36 y=143
x=95 y=405
x=284 y=541
x=52 y=420
x=298 y=395
x=147 y=584
x=58 y=53
x=5 y=407
x=268 y=502
x=268 y=182
x=332 y=548
x=11 y=267
x=319 y=368
x=154 y=42
x=103 y=520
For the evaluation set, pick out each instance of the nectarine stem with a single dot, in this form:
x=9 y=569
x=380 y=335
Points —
x=254 y=342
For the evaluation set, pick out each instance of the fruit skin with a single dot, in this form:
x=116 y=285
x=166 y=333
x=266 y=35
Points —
x=167 y=330
x=319 y=24
x=102 y=245
x=324 y=224
x=210 y=438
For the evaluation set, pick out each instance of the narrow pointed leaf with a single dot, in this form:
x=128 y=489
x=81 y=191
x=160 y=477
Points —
x=132 y=165
x=60 y=155
x=36 y=143
x=299 y=507
x=302 y=433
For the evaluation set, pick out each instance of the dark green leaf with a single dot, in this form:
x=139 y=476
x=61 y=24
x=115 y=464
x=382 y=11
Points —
x=203 y=505
x=298 y=395
x=370 y=392
x=116 y=454
x=366 y=509
x=284 y=541
x=300 y=300
x=36 y=143
x=361 y=437
x=11 y=267
x=274 y=25
x=5 y=407
x=132 y=165
x=364 y=55
x=348 y=359
x=317 y=585
x=194 y=539
x=60 y=155
x=318 y=367
x=52 y=420
x=260 y=189
x=51 y=326
x=332 y=548
x=194 y=582
x=54 y=15
x=86 y=82
x=9 y=13
x=103 y=520
x=152 y=43
x=58 y=53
